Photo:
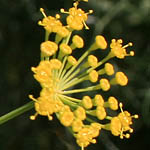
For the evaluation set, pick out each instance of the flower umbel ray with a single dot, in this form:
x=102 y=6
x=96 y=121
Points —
x=59 y=72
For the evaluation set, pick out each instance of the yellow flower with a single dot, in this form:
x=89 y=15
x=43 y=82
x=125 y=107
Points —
x=118 y=50
x=77 y=17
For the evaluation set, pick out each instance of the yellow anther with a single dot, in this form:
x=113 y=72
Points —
x=104 y=84
x=49 y=48
x=120 y=78
x=100 y=112
x=57 y=16
x=93 y=76
x=33 y=117
x=100 y=42
x=87 y=102
x=131 y=53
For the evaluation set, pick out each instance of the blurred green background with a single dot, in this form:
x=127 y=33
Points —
x=20 y=38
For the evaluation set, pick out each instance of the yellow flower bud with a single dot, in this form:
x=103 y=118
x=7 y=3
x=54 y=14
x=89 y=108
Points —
x=55 y=63
x=65 y=49
x=109 y=69
x=104 y=84
x=87 y=102
x=93 y=76
x=98 y=100
x=100 y=112
x=112 y=103
x=66 y=118
x=77 y=125
x=92 y=61
x=120 y=78
x=80 y=113
x=100 y=42
x=77 y=42
x=49 y=48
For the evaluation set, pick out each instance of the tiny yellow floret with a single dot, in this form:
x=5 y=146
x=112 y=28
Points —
x=118 y=50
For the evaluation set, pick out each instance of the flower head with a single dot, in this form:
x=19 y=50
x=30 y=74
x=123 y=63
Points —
x=59 y=71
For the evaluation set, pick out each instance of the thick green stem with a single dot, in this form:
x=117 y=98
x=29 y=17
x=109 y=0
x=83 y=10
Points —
x=16 y=112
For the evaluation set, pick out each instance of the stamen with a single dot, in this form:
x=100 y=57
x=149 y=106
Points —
x=42 y=11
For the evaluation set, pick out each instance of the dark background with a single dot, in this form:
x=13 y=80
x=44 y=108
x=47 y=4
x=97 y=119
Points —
x=20 y=38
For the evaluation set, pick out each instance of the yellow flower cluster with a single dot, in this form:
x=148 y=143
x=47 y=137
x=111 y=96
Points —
x=59 y=71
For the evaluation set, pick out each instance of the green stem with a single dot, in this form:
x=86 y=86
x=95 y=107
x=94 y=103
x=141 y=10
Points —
x=91 y=88
x=74 y=82
x=16 y=112
x=75 y=66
